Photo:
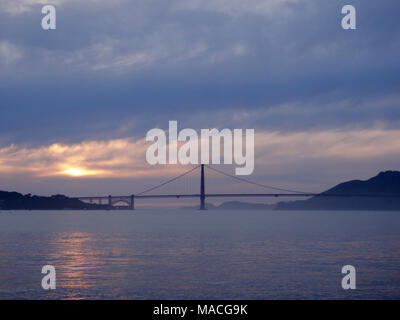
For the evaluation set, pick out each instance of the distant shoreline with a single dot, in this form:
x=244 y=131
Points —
x=383 y=186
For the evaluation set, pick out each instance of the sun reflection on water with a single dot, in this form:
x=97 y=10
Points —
x=79 y=260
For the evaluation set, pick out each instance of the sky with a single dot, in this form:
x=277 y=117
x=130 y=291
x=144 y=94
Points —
x=76 y=102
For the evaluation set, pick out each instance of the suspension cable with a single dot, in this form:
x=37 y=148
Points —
x=255 y=183
x=166 y=182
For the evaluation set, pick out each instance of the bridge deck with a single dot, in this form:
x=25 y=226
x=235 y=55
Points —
x=240 y=195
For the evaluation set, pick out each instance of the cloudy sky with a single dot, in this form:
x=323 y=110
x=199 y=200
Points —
x=76 y=102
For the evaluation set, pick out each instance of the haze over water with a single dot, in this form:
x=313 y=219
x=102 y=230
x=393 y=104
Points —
x=187 y=254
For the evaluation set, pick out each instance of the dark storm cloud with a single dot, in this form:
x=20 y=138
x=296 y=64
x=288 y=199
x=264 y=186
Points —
x=115 y=69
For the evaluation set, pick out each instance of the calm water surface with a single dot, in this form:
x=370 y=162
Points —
x=183 y=254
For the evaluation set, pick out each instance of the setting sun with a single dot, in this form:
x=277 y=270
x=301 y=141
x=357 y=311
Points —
x=77 y=172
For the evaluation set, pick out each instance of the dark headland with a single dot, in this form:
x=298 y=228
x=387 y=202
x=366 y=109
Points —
x=18 y=201
x=381 y=187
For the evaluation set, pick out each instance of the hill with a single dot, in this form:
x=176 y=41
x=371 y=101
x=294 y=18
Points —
x=18 y=201
x=238 y=205
x=384 y=184
x=235 y=205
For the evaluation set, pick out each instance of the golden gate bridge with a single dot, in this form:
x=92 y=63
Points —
x=130 y=200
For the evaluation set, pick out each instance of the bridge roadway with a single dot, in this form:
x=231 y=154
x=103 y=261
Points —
x=130 y=200
x=242 y=195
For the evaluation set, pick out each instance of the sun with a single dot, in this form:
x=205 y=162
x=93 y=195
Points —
x=80 y=172
x=76 y=172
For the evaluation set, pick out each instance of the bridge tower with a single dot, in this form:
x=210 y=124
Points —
x=109 y=202
x=132 y=202
x=202 y=190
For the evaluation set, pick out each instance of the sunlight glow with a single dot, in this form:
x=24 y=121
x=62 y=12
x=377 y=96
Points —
x=77 y=172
